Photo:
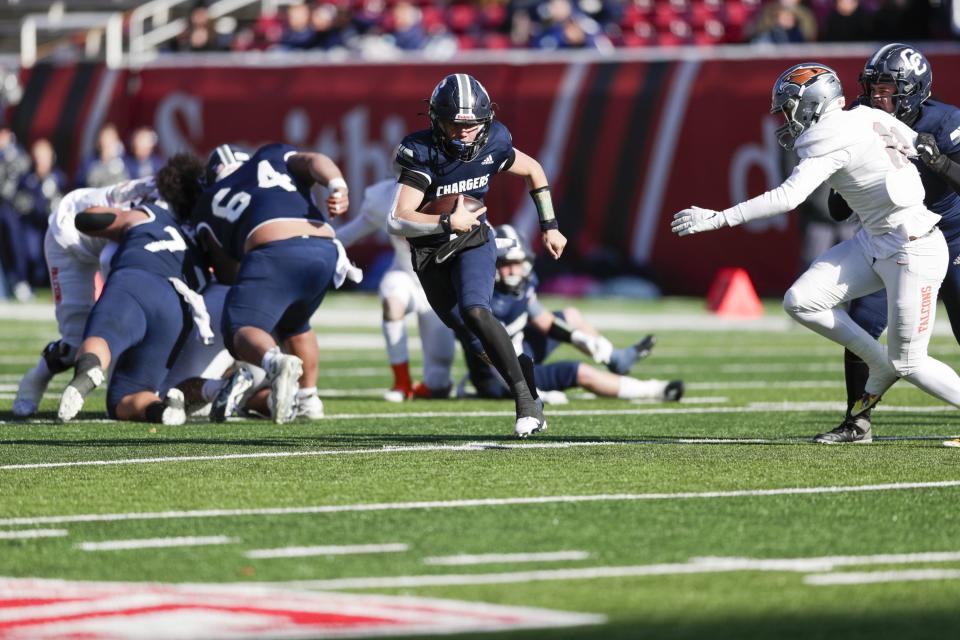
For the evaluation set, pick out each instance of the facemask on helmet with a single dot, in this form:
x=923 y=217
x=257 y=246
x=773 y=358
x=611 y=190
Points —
x=460 y=99
x=905 y=68
x=803 y=93
x=512 y=249
x=223 y=161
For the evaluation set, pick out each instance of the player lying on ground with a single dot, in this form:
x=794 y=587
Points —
x=864 y=155
x=401 y=294
x=537 y=332
x=898 y=79
x=142 y=317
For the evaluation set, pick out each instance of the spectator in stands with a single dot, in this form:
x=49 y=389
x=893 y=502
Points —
x=143 y=160
x=784 y=21
x=14 y=162
x=200 y=34
x=848 y=21
x=408 y=31
x=38 y=192
x=107 y=166
x=564 y=27
x=332 y=26
x=902 y=20
x=298 y=33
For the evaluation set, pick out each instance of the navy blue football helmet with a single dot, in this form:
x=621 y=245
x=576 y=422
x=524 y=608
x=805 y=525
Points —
x=906 y=68
x=224 y=157
x=460 y=99
x=512 y=248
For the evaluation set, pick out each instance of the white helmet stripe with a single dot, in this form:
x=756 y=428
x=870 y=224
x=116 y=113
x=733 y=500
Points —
x=466 y=94
x=225 y=154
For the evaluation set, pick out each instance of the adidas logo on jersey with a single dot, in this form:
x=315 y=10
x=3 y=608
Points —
x=488 y=159
x=956 y=260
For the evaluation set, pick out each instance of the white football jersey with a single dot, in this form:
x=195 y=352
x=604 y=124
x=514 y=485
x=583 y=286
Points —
x=870 y=150
x=61 y=221
x=377 y=203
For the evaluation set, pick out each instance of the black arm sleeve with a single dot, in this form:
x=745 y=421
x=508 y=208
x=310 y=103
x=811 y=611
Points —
x=92 y=222
x=948 y=168
x=413 y=179
x=838 y=207
x=560 y=330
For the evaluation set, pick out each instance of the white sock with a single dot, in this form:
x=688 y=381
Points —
x=395 y=333
x=632 y=389
x=303 y=394
x=259 y=376
x=269 y=357
x=210 y=389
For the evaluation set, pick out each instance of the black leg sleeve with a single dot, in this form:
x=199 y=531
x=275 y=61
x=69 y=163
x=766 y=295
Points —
x=856 y=373
x=499 y=348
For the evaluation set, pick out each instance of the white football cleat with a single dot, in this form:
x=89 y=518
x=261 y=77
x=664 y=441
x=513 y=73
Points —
x=175 y=413
x=71 y=402
x=32 y=386
x=284 y=377
x=309 y=406
x=229 y=398
x=528 y=425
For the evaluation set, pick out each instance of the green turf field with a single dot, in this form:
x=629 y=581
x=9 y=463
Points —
x=714 y=518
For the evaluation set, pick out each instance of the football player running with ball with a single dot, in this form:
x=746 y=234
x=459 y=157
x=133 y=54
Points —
x=898 y=79
x=864 y=155
x=455 y=254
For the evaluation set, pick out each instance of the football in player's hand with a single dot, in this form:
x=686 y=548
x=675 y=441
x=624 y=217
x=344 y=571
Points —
x=448 y=204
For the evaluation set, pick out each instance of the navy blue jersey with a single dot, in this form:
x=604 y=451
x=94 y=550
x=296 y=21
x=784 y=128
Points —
x=942 y=121
x=444 y=175
x=261 y=190
x=160 y=246
x=514 y=310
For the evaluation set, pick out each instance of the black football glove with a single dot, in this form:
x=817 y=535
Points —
x=929 y=152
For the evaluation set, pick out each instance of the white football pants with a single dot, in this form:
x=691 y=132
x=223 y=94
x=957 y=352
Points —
x=912 y=278
x=72 y=282
x=436 y=338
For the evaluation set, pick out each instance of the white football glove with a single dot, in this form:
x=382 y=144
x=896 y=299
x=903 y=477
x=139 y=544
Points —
x=697 y=220
x=597 y=347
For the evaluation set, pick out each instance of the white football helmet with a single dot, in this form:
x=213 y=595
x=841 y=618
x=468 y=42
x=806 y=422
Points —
x=803 y=93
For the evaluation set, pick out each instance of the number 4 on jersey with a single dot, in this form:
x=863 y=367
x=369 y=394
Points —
x=267 y=178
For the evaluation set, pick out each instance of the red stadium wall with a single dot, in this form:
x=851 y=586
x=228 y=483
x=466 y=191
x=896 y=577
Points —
x=626 y=142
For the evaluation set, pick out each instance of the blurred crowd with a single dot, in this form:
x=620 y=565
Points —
x=31 y=185
x=376 y=28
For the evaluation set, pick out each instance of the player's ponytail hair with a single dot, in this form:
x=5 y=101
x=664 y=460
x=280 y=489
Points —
x=180 y=183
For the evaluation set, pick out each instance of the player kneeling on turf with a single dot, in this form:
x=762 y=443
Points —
x=142 y=317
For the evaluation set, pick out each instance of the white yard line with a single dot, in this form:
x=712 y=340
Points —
x=332 y=550
x=878 y=577
x=505 y=558
x=154 y=543
x=32 y=533
x=479 y=502
x=693 y=566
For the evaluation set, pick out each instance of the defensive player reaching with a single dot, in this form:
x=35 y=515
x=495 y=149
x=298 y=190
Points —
x=400 y=295
x=267 y=239
x=73 y=259
x=537 y=332
x=863 y=154
x=455 y=255
x=142 y=317
x=898 y=79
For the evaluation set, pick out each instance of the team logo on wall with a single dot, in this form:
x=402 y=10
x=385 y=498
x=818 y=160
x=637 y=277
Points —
x=60 y=609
